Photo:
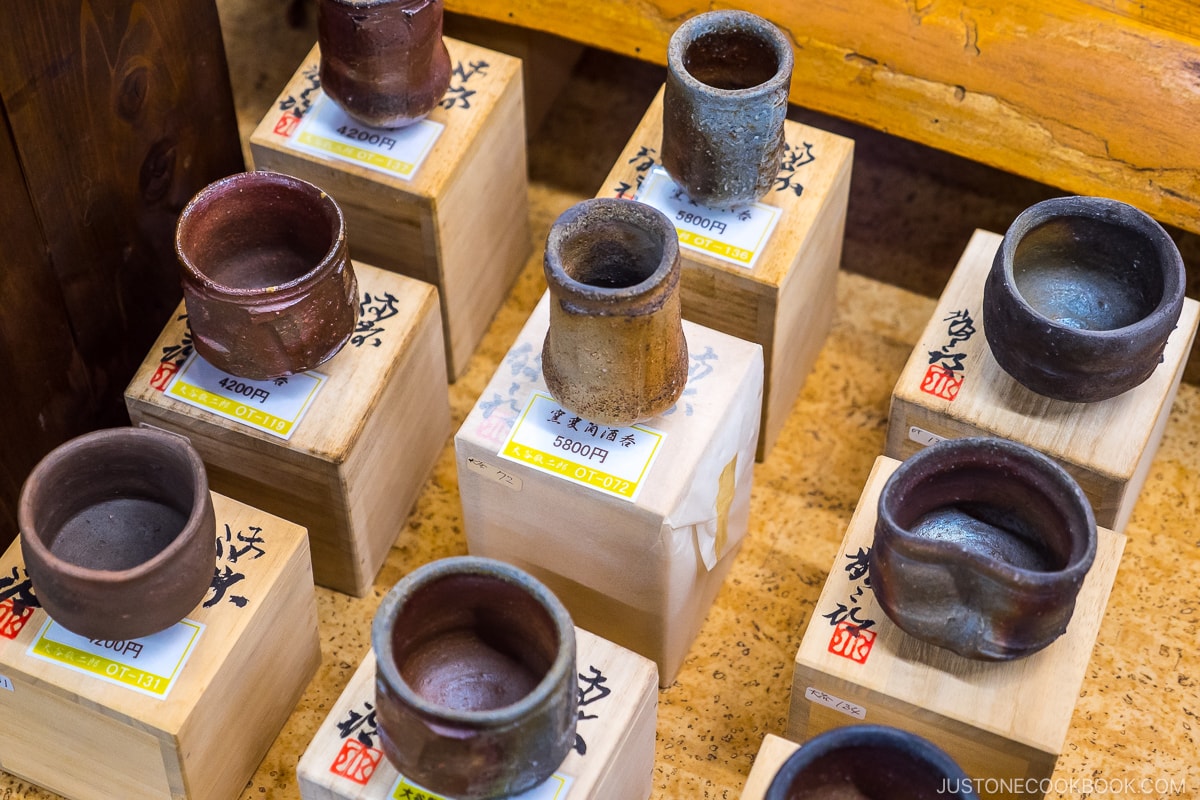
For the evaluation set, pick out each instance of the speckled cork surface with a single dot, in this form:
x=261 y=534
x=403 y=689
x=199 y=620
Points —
x=1138 y=713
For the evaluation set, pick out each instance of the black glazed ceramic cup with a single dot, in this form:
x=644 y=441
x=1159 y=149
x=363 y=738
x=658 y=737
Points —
x=981 y=546
x=476 y=693
x=1081 y=298
x=118 y=532
x=870 y=761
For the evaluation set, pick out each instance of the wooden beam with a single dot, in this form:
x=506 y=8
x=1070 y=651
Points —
x=1091 y=96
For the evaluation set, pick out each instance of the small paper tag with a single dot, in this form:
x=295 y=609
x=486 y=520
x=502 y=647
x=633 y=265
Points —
x=555 y=787
x=149 y=665
x=329 y=131
x=923 y=437
x=6 y=683
x=274 y=407
x=836 y=703
x=737 y=236
x=613 y=460
x=500 y=476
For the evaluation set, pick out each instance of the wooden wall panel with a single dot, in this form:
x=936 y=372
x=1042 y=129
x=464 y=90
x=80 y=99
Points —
x=117 y=112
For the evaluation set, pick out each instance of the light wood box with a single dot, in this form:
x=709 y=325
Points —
x=462 y=222
x=771 y=754
x=615 y=731
x=786 y=302
x=998 y=720
x=642 y=574
x=87 y=739
x=358 y=459
x=1106 y=446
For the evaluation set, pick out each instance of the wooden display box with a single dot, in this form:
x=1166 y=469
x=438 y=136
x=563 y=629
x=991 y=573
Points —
x=614 y=746
x=998 y=720
x=952 y=387
x=785 y=301
x=460 y=221
x=771 y=754
x=84 y=736
x=640 y=572
x=358 y=458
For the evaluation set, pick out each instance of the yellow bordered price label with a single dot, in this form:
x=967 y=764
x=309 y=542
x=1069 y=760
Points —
x=609 y=459
x=555 y=787
x=734 y=235
x=275 y=407
x=150 y=665
x=327 y=130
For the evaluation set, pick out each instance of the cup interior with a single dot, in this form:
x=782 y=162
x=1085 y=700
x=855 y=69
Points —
x=863 y=772
x=258 y=232
x=731 y=59
x=473 y=643
x=106 y=509
x=1088 y=274
x=611 y=254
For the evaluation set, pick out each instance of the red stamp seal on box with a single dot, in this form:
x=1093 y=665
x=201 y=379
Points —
x=356 y=762
x=163 y=374
x=12 y=620
x=852 y=642
x=286 y=125
x=941 y=382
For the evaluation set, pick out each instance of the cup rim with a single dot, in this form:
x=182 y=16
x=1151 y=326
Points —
x=251 y=179
x=84 y=445
x=385 y=616
x=730 y=20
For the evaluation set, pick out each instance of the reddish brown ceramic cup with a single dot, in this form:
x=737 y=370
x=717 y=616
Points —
x=267 y=278
x=476 y=693
x=615 y=351
x=118 y=532
x=383 y=61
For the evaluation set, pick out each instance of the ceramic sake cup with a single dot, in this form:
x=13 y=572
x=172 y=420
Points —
x=118 y=533
x=981 y=546
x=476 y=688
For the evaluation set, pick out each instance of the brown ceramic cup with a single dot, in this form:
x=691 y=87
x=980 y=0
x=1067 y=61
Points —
x=1081 y=298
x=476 y=693
x=981 y=546
x=266 y=275
x=725 y=102
x=870 y=761
x=615 y=352
x=383 y=61
x=118 y=532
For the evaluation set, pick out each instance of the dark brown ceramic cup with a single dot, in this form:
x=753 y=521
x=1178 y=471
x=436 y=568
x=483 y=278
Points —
x=725 y=102
x=870 y=761
x=383 y=61
x=118 y=533
x=1081 y=298
x=981 y=546
x=476 y=693
x=266 y=275
x=615 y=352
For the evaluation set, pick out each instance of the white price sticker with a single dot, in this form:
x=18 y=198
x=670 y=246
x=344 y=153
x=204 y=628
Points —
x=327 y=130
x=923 y=437
x=609 y=459
x=503 y=477
x=275 y=407
x=149 y=665
x=6 y=683
x=556 y=787
x=737 y=235
x=836 y=703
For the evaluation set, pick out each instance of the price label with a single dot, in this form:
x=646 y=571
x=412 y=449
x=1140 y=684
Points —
x=836 y=703
x=734 y=235
x=328 y=131
x=6 y=683
x=503 y=477
x=609 y=459
x=275 y=407
x=923 y=437
x=555 y=787
x=149 y=665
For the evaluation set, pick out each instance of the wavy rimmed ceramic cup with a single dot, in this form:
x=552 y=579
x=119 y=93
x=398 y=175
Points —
x=383 y=61
x=725 y=102
x=118 y=532
x=476 y=694
x=870 y=761
x=1081 y=298
x=615 y=352
x=266 y=273
x=981 y=546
